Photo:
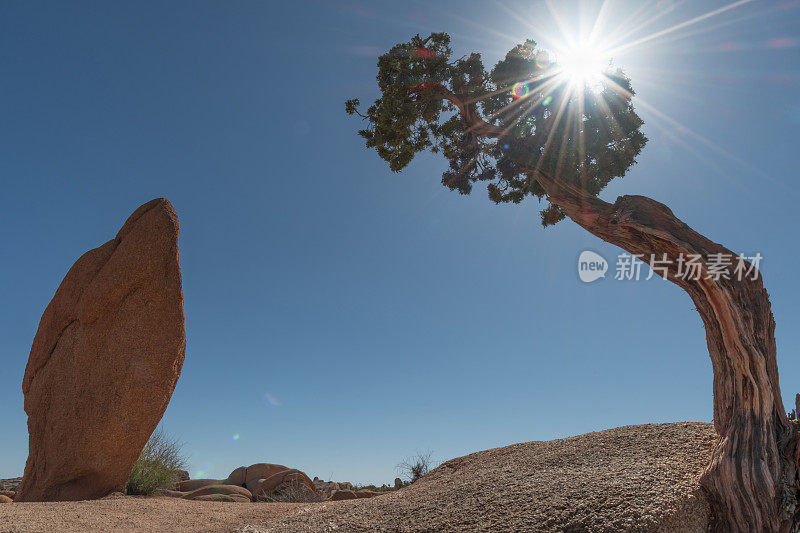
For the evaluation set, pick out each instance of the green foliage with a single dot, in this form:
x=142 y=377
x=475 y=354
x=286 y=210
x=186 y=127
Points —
x=157 y=466
x=585 y=137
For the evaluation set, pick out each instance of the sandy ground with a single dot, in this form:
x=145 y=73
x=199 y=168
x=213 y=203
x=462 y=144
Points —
x=136 y=514
x=634 y=478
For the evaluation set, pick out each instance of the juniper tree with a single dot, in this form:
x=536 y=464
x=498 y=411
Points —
x=525 y=131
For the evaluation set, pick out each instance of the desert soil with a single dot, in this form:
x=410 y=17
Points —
x=130 y=513
x=633 y=478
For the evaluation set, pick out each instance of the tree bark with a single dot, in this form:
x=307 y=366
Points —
x=752 y=479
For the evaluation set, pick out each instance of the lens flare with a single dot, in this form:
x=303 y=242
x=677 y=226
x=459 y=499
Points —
x=272 y=400
x=236 y=437
x=542 y=60
x=520 y=90
x=547 y=100
x=780 y=43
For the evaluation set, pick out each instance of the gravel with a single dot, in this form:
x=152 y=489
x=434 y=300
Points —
x=634 y=478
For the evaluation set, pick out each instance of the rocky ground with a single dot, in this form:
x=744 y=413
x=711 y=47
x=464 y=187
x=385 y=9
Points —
x=634 y=478
x=135 y=514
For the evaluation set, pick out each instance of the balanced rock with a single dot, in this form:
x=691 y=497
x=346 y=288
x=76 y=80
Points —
x=105 y=360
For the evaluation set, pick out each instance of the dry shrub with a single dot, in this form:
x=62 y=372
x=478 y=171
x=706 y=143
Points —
x=293 y=492
x=415 y=466
x=158 y=465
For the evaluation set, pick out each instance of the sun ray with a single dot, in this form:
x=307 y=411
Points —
x=679 y=26
x=627 y=29
x=601 y=13
x=706 y=142
x=566 y=32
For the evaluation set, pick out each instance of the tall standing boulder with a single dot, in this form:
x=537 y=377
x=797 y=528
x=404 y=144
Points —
x=105 y=360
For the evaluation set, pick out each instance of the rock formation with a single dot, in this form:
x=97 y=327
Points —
x=105 y=360
x=10 y=484
x=342 y=490
x=257 y=482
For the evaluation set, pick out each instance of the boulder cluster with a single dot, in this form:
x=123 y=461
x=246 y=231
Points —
x=258 y=482
x=342 y=490
x=266 y=482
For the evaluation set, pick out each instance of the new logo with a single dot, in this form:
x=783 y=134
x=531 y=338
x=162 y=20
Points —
x=591 y=266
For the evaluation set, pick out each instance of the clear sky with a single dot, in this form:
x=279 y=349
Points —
x=341 y=317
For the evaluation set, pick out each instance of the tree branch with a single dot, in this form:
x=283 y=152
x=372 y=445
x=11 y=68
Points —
x=469 y=114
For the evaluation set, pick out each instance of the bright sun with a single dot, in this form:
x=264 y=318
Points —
x=583 y=65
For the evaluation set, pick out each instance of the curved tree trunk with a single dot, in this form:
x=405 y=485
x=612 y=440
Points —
x=752 y=478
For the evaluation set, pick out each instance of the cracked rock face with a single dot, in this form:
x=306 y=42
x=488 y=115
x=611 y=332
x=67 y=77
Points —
x=105 y=360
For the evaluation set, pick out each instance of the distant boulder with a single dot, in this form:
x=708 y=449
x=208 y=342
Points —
x=12 y=483
x=343 y=494
x=260 y=481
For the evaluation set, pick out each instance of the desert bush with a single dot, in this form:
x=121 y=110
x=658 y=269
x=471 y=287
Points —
x=415 y=467
x=158 y=465
x=293 y=492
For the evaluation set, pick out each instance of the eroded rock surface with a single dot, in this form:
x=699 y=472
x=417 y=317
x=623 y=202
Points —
x=105 y=360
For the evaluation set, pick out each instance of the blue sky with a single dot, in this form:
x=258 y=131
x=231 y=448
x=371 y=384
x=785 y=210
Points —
x=341 y=317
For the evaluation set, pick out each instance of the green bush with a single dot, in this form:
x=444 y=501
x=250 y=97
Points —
x=158 y=465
